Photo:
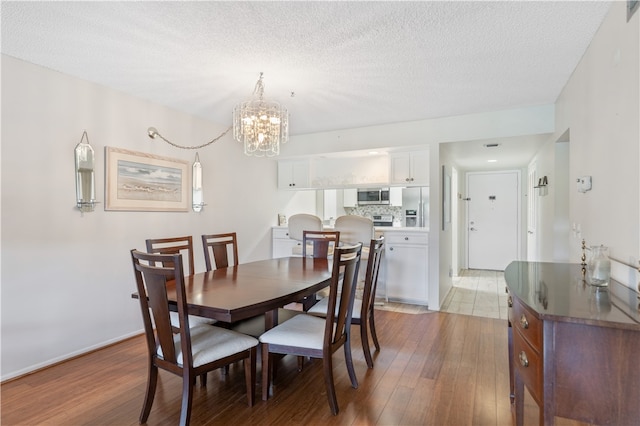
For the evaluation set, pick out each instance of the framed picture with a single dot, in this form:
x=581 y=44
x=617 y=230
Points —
x=632 y=6
x=136 y=181
x=282 y=220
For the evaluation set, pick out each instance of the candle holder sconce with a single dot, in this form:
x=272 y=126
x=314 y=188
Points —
x=197 y=196
x=85 y=179
x=542 y=186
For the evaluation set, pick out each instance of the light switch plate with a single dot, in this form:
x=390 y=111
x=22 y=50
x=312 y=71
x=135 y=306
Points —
x=584 y=183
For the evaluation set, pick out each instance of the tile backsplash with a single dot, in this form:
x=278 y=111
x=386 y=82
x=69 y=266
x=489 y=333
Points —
x=369 y=211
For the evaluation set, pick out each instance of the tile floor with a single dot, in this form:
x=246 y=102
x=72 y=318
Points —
x=478 y=293
x=475 y=292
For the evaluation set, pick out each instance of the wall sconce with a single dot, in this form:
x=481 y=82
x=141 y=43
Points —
x=198 y=202
x=85 y=182
x=542 y=186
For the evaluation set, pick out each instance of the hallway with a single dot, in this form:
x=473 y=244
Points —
x=479 y=293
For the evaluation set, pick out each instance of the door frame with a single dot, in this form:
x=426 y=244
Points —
x=518 y=173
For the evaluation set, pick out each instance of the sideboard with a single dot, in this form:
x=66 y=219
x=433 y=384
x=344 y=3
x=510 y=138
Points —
x=575 y=347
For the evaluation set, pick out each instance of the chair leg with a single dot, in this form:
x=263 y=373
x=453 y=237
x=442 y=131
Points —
x=265 y=371
x=327 y=365
x=349 y=361
x=187 y=398
x=300 y=362
x=152 y=380
x=250 y=375
x=364 y=336
x=372 y=327
x=203 y=380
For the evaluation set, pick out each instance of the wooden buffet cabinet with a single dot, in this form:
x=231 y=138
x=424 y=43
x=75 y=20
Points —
x=575 y=347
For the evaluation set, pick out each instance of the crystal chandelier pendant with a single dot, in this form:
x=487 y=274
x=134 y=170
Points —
x=260 y=125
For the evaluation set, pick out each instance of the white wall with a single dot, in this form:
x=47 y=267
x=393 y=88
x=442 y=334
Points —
x=599 y=110
x=66 y=277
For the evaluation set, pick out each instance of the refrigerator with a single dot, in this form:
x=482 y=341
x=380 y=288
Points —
x=415 y=206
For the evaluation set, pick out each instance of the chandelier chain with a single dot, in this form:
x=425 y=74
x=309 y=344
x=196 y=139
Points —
x=193 y=147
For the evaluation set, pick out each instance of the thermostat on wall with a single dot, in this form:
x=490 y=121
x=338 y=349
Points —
x=584 y=183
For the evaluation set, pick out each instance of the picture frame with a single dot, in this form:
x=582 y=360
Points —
x=632 y=6
x=137 y=181
x=282 y=220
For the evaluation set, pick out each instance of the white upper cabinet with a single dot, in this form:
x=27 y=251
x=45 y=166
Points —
x=350 y=197
x=395 y=197
x=409 y=168
x=340 y=172
x=293 y=174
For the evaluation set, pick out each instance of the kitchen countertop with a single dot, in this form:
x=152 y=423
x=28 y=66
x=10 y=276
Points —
x=384 y=228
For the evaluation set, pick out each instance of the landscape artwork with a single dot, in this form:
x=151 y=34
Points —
x=145 y=182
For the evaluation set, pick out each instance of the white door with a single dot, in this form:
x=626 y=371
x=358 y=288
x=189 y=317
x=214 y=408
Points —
x=532 y=214
x=493 y=219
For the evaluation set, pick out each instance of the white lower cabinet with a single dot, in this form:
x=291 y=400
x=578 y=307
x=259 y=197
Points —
x=281 y=244
x=407 y=267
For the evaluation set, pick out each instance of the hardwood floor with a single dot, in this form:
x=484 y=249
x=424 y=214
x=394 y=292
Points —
x=434 y=369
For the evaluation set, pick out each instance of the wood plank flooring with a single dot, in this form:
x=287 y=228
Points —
x=434 y=369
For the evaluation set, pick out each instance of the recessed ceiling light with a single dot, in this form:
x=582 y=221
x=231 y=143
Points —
x=373 y=152
x=492 y=161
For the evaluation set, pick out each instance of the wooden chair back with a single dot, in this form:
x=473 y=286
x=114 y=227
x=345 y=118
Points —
x=344 y=276
x=376 y=248
x=151 y=282
x=217 y=248
x=321 y=242
x=173 y=245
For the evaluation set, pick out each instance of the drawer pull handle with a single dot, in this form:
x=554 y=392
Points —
x=523 y=359
x=510 y=302
x=523 y=322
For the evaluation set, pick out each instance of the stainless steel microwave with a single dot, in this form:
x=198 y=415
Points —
x=373 y=196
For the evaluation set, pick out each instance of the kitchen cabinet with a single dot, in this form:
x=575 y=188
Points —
x=409 y=168
x=395 y=197
x=293 y=174
x=343 y=172
x=281 y=244
x=350 y=197
x=407 y=260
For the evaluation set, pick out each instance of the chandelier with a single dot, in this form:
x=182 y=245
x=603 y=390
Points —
x=260 y=125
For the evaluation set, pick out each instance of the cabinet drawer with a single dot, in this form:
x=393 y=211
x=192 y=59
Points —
x=408 y=238
x=527 y=363
x=281 y=233
x=528 y=324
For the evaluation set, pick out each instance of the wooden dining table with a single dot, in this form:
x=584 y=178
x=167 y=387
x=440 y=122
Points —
x=250 y=289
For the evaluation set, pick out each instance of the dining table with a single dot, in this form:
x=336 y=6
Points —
x=254 y=288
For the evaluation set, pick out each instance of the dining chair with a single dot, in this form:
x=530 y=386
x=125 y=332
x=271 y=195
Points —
x=319 y=245
x=219 y=248
x=183 y=350
x=175 y=245
x=363 y=309
x=308 y=335
x=322 y=243
x=302 y=222
x=356 y=229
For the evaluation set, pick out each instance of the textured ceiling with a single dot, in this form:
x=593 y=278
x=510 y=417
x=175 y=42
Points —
x=350 y=64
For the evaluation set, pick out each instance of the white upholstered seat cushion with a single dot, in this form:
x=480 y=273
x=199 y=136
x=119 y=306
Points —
x=320 y=308
x=210 y=343
x=255 y=326
x=193 y=320
x=305 y=331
